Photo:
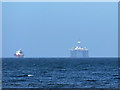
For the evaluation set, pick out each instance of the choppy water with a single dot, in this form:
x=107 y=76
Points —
x=60 y=73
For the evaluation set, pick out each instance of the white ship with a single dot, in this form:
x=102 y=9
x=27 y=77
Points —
x=19 y=53
x=79 y=52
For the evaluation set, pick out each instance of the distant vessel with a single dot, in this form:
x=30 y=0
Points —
x=19 y=53
x=78 y=51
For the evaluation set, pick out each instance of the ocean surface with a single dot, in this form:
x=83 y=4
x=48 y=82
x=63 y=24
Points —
x=60 y=73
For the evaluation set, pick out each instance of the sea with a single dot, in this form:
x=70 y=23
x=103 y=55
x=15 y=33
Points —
x=60 y=73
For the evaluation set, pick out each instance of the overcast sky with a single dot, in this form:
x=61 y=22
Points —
x=52 y=29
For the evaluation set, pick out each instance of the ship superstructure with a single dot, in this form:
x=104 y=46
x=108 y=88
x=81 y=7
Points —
x=79 y=51
x=19 y=53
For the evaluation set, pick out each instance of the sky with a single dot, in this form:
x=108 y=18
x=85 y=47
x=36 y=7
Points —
x=51 y=29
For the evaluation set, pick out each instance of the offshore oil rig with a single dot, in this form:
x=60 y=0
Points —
x=79 y=52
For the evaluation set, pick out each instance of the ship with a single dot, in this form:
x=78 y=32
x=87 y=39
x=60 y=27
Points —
x=19 y=53
x=79 y=52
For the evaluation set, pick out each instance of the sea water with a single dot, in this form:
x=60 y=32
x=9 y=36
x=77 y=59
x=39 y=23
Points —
x=60 y=73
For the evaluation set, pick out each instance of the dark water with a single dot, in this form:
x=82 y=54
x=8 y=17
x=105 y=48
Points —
x=60 y=73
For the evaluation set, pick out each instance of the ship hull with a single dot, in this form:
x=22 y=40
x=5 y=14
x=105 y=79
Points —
x=18 y=55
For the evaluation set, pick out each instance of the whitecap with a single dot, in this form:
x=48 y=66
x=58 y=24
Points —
x=30 y=75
